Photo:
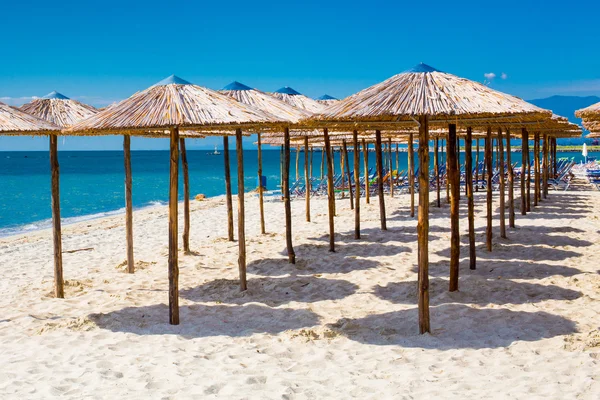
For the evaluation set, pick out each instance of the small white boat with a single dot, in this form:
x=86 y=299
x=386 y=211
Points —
x=216 y=152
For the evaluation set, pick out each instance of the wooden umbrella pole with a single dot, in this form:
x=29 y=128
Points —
x=241 y=210
x=330 y=191
x=477 y=166
x=345 y=147
x=423 y=226
x=228 y=196
x=286 y=197
x=173 y=228
x=343 y=172
x=366 y=166
x=59 y=291
x=511 y=183
x=523 y=170
x=536 y=158
x=391 y=181
x=545 y=167
x=528 y=156
x=128 y=203
x=411 y=173
x=470 y=203
x=297 y=164
x=436 y=168
x=379 y=162
x=356 y=185
x=502 y=183
x=261 y=189
x=490 y=172
x=186 y=196
x=454 y=179
x=306 y=178
x=397 y=158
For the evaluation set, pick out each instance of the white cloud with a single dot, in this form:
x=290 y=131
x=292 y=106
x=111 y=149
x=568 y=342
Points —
x=17 y=101
x=503 y=75
x=489 y=76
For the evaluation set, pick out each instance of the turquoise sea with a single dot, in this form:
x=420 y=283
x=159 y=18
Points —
x=92 y=182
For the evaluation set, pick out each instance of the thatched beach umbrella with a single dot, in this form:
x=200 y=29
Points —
x=15 y=122
x=176 y=104
x=424 y=95
x=298 y=100
x=286 y=114
x=590 y=113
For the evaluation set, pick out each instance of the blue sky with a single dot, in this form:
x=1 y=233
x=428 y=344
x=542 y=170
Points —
x=101 y=52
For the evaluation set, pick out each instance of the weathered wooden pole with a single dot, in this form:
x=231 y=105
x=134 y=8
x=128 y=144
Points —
x=523 y=170
x=397 y=158
x=307 y=178
x=502 y=183
x=470 y=203
x=391 y=167
x=379 y=162
x=423 y=226
x=490 y=172
x=128 y=203
x=511 y=183
x=454 y=178
x=545 y=167
x=356 y=185
x=228 y=197
x=186 y=196
x=477 y=166
x=528 y=156
x=59 y=291
x=241 y=209
x=348 y=174
x=343 y=172
x=297 y=163
x=173 y=223
x=261 y=189
x=286 y=197
x=436 y=168
x=536 y=165
x=330 y=190
x=366 y=162
x=411 y=173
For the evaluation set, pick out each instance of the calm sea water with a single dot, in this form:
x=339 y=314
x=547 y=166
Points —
x=92 y=183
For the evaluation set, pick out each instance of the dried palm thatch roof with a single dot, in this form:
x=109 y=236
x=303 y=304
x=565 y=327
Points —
x=591 y=113
x=327 y=100
x=59 y=109
x=15 y=122
x=279 y=109
x=298 y=100
x=423 y=90
x=592 y=126
x=173 y=102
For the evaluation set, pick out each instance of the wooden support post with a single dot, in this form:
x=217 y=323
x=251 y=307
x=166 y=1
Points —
x=356 y=185
x=286 y=197
x=477 y=166
x=228 y=196
x=128 y=204
x=366 y=162
x=470 y=203
x=511 y=183
x=241 y=209
x=397 y=158
x=536 y=160
x=345 y=147
x=307 y=179
x=379 y=162
x=490 y=172
x=436 y=168
x=411 y=173
x=528 y=194
x=454 y=178
x=423 y=226
x=545 y=167
x=391 y=181
x=261 y=189
x=297 y=164
x=523 y=170
x=186 y=196
x=173 y=228
x=343 y=172
x=502 y=183
x=59 y=291
x=330 y=191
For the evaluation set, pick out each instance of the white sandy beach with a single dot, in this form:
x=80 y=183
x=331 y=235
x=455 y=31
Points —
x=525 y=324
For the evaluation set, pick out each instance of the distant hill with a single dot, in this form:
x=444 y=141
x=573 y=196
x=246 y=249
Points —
x=566 y=107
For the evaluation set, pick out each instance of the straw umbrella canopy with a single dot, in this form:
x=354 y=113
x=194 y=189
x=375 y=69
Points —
x=424 y=95
x=176 y=104
x=327 y=100
x=296 y=99
x=15 y=122
x=590 y=113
